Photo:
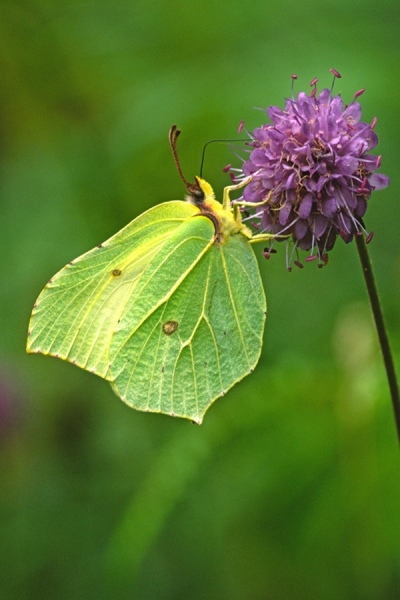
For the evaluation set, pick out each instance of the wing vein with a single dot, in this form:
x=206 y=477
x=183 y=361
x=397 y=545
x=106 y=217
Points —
x=234 y=306
x=248 y=279
x=170 y=291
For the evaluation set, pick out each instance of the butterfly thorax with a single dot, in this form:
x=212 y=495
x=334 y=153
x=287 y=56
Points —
x=226 y=222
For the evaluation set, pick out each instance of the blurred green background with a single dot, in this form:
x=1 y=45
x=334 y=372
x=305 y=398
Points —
x=291 y=487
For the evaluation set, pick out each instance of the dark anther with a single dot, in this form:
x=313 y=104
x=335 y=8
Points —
x=369 y=237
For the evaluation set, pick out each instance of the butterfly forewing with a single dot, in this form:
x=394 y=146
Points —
x=76 y=314
x=166 y=272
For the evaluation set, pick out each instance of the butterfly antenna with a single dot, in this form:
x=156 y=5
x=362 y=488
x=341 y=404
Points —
x=173 y=136
x=211 y=142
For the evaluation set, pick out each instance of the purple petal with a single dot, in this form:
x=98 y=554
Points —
x=323 y=168
x=268 y=181
x=300 y=229
x=329 y=207
x=305 y=105
x=345 y=225
x=266 y=221
x=346 y=197
x=249 y=168
x=356 y=146
x=291 y=196
x=305 y=206
x=276 y=136
x=276 y=114
x=324 y=96
x=361 y=207
x=347 y=165
x=369 y=161
x=304 y=130
x=261 y=134
x=310 y=184
x=372 y=139
x=321 y=182
x=292 y=180
x=306 y=242
x=336 y=106
x=379 y=181
x=300 y=155
x=352 y=114
x=253 y=192
x=275 y=197
x=258 y=158
x=320 y=225
x=284 y=213
x=332 y=127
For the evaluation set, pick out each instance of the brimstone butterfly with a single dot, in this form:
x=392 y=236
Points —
x=170 y=310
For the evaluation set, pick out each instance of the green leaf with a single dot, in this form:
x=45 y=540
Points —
x=167 y=312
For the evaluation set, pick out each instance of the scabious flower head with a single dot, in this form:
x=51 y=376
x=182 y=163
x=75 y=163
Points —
x=313 y=171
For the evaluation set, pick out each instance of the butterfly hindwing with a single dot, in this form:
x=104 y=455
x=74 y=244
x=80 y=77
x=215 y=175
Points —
x=199 y=342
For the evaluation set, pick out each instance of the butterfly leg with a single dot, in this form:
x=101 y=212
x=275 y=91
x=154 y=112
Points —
x=265 y=237
x=226 y=201
x=244 y=204
x=238 y=204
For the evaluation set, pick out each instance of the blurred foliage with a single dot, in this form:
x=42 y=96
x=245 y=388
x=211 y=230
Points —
x=290 y=488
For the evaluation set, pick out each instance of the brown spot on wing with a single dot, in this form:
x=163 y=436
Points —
x=169 y=327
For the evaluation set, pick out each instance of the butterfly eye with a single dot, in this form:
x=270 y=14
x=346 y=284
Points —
x=198 y=195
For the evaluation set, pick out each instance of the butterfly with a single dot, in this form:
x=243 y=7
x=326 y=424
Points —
x=170 y=310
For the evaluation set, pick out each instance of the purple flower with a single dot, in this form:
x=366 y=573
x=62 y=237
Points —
x=313 y=170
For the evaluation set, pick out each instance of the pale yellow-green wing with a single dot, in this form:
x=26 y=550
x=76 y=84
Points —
x=77 y=313
x=199 y=342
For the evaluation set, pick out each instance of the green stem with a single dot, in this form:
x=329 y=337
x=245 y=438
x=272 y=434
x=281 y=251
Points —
x=380 y=326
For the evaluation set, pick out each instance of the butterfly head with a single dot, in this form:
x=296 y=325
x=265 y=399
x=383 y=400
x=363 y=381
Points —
x=200 y=192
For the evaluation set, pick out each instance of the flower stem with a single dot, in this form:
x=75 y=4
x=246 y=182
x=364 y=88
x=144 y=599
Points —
x=380 y=326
